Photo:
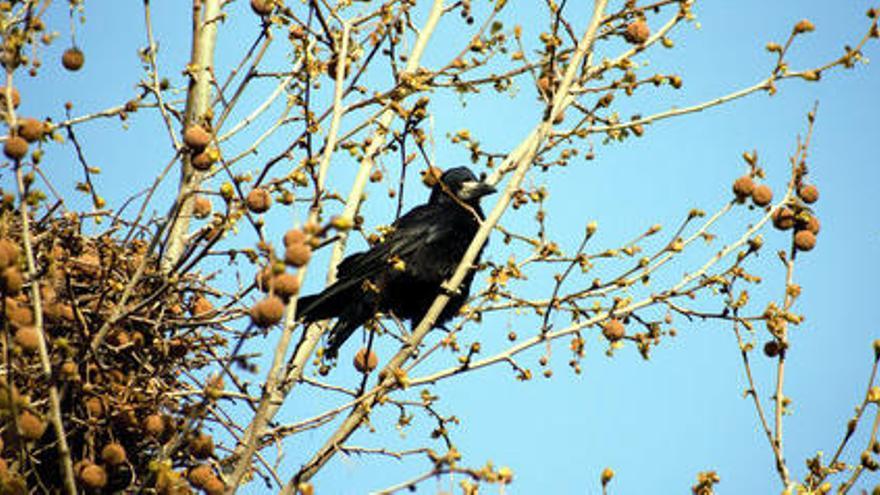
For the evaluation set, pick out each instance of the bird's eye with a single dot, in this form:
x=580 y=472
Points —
x=482 y=176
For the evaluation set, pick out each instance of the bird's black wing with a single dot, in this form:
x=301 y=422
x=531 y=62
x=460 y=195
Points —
x=412 y=237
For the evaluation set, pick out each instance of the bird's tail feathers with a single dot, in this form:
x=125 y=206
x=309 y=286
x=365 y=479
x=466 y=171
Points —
x=340 y=332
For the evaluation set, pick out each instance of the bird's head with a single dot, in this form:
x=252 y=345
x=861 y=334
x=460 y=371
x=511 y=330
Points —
x=461 y=183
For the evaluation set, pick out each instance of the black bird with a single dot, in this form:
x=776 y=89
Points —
x=403 y=273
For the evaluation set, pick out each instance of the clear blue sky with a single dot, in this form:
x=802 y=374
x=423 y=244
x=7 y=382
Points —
x=657 y=423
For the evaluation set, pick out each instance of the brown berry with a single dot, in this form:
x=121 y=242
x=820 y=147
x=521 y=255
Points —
x=93 y=477
x=804 y=240
x=214 y=486
x=19 y=314
x=262 y=7
x=783 y=218
x=113 y=454
x=809 y=193
x=154 y=425
x=638 y=32
x=73 y=59
x=30 y=426
x=11 y=281
x=95 y=407
x=30 y=129
x=8 y=253
x=28 y=338
x=16 y=97
x=201 y=207
x=297 y=254
x=259 y=200
x=294 y=236
x=68 y=370
x=202 y=446
x=364 y=362
x=771 y=349
x=813 y=225
x=203 y=160
x=201 y=306
x=431 y=176
x=762 y=195
x=119 y=338
x=613 y=330
x=200 y=475
x=285 y=285
x=65 y=312
x=267 y=312
x=196 y=137
x=743 y=187
x=15 y=148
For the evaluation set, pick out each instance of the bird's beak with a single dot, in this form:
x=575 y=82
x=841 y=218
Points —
x=472 y=189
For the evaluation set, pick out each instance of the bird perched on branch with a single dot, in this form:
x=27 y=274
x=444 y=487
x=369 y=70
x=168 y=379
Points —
x=404 y=273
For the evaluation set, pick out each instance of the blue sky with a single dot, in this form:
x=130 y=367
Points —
x=657 y=422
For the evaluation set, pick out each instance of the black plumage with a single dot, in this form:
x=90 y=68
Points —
x=404 y=272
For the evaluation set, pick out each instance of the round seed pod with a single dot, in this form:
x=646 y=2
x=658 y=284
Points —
x=68 y=370
x=196 y=137
x=113 y=454
x=201 y=305
x=203 y=160
x=15 y=148
x=294 y=236
x=28 y=338
x=813 y=225
x=202 y=446
x=73 y=59
x=613 y=330
x=285 y=285
x=30 y=426
x=20 y=315
x=11 y=281
x=200 y=475
x=364 y=362
x=201 y=207
x=771 y=349
x=262 y=7
x=431 y=176
x=95 y=407
x=762 y=195
x=783 y=218
x=16 y=97
x=154 y=425
x=30 y=129
x=267 y=312
x=637 y=32
x=213 y=486
x=809 y=193
x=259 y=200
x=8 y=253
x=93 y=477
x=65 y=312
x=805 y=240
x=297 y=254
